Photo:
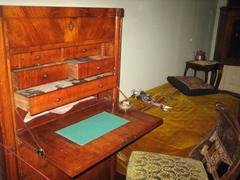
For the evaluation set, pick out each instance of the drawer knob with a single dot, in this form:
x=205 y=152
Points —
x=37 y=57
x=98 y=67
x=45 y=76
x=84 y=50
x=58 y=99
x=100 y=85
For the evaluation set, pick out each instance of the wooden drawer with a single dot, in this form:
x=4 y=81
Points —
x=78 y=70
x=81 y=51
x=35 y=58
x=28 y=77
x=50 y=100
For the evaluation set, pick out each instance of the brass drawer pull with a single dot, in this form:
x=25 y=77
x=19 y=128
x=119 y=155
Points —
x=100 y=85
x=37 y=57
x=45 y=76
x=84 y=50
x=98 y=67
x=58 y=99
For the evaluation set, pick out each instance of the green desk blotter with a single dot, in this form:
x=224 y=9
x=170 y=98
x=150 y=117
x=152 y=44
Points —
x=91 y=128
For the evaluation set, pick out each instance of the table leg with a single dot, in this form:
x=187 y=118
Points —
x=206 y=76
x=185 y=72
x=195 y=73
x=213 y=77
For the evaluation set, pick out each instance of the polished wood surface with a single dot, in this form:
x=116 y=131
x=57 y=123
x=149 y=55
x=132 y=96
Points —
x=58 y=30
x=103 y=170
x=7 y=113
x=35 y=58
x=62 y=96
x=75 y=159
x=25 y=78
x=37 y=46
x=58 y=12
x=2 y=158
x=81 y=51
x=83 y=70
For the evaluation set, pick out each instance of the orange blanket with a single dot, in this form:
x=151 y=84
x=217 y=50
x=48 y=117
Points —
x=190 y=120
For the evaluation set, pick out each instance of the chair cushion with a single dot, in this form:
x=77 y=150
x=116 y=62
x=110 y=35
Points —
x=147 y=165
x=191 y=86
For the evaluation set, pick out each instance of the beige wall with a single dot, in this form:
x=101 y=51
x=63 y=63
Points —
x=159 y=36
x=231 y=79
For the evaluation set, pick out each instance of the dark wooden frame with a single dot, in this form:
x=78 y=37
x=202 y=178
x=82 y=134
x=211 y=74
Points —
x=225 y=30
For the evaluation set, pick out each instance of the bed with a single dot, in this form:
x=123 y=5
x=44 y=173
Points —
x=189 y=122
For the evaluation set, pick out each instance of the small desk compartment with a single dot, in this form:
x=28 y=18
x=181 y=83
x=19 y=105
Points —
x=22 y=60
x=81 y=51
x=37 y=75
x=60 y=83
x=41 y=101
x=85 y=67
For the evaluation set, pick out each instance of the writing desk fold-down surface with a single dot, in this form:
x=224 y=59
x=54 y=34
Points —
x=72 y=158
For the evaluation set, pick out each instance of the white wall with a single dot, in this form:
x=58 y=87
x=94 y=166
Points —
x=159 y=36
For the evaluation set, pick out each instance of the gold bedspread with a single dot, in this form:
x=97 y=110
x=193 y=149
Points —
x=190 y=120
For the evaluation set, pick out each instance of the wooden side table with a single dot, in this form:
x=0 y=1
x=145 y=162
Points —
x=203 y=65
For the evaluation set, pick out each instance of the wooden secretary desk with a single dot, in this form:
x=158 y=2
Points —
x=60 y=66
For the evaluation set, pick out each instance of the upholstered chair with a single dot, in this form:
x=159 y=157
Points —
x=217 y=157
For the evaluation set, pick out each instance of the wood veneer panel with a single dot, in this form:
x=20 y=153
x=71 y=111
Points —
x=95 y=67
x=24 y=33
x=24 y=11
x=35 y=58
x=102 y=170
x=6 y=106
x=95 y=28
x=31 y=32
x=117 y=56
x=37 y=104
x=26 y=78
x=76 y=52
x=74 y=159
x=2 y=158
x=39 y=35
x=57 y=45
